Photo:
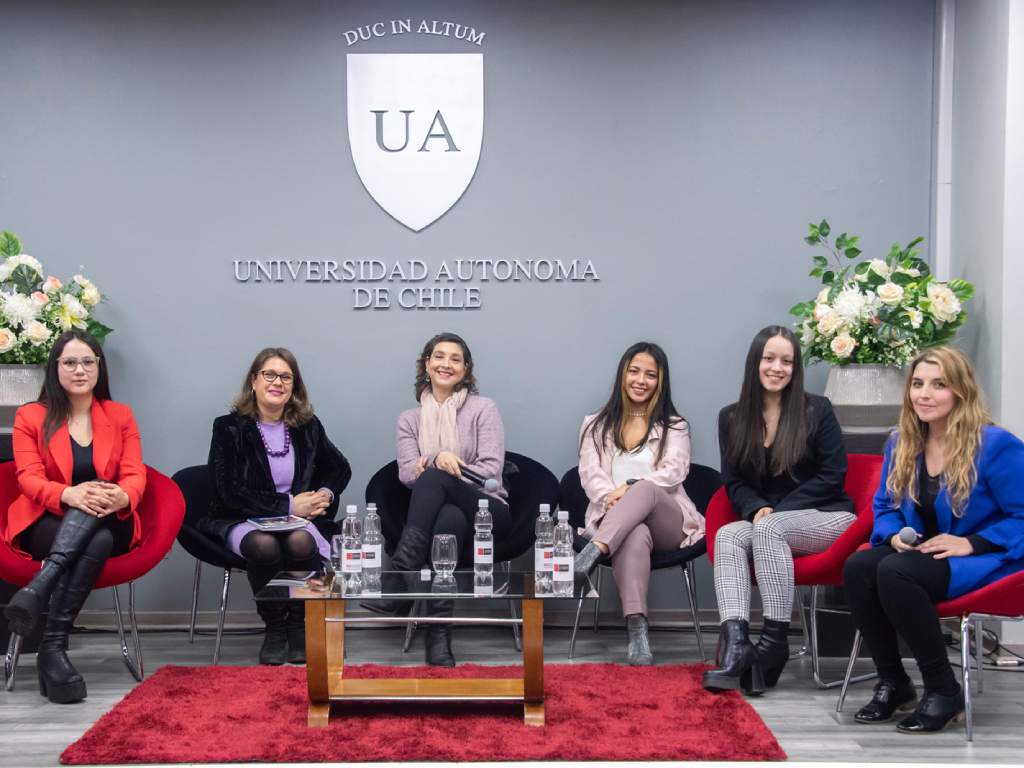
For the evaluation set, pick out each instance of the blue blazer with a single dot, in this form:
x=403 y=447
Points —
x=995 y=511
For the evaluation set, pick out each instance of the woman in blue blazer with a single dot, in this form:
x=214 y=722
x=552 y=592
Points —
x=957 y=481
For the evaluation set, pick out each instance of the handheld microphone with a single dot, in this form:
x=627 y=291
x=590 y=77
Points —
x=909 y=536
x=487 y=483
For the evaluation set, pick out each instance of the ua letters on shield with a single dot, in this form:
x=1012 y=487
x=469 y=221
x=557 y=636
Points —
x=415 y=126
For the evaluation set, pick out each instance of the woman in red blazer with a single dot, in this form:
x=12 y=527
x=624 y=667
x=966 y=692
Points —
x=81 y=476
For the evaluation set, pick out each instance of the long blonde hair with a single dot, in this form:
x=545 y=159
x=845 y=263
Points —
x=963 y=432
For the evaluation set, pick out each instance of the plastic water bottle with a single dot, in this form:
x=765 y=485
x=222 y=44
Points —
x=562 y=575
x=372 y=550
x=543 y=551
x=483 y=545
x=352 y=551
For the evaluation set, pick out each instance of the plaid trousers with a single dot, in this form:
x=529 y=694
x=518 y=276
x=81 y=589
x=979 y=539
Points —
x=770 y=544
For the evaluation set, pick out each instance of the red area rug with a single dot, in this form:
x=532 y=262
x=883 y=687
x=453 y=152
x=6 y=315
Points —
x=258 y=714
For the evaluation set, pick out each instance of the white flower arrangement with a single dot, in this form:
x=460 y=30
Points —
x=36 y=308
x=881 y=311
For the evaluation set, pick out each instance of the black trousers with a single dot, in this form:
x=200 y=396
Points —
x=893 y=594
x=442 y=503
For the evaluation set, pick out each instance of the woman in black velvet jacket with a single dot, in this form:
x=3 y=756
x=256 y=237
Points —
x=270 y=457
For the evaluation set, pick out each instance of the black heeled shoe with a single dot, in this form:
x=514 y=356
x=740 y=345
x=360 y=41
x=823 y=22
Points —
x=889 y=699
x=74 y=533
x=933 y=714
x=740 y=666
x=772 y=650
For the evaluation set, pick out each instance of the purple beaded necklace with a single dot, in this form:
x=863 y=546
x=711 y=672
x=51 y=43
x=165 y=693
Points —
x=266 y=445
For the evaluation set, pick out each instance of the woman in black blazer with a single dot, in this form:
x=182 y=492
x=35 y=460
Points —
x=269 y=457
x=783 y=466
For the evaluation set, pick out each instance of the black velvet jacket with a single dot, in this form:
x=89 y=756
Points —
x=815 y=482
x=243 y=485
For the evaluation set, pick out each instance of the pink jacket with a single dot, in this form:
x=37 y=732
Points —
x=596 y=475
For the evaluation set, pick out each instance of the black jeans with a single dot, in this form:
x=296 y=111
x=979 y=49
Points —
x=894 y=594
x=442 y=503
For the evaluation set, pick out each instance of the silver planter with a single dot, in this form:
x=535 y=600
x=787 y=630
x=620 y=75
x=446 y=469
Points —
x=19 y=384
x=866 y=396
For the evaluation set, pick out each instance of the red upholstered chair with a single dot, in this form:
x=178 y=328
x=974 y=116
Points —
x=1001 y=600
x=161 y=511
x=825 y=568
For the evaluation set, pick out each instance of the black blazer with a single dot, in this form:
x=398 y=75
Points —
x=243 y=485
x=816 y=480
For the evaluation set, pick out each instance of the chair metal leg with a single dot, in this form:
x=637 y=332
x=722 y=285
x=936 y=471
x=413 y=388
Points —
x=597 y=602
x=805 y=623
x=816 y=659
x=979 y=648
x=965 y=663
x=221 y=614
x=690 y=582
x=195 y=602
x=126 y=656
x=575 y=628
x=854 y=651
x=410 y=627
x=11 y=660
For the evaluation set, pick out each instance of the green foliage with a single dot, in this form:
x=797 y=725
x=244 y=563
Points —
x=10 y=245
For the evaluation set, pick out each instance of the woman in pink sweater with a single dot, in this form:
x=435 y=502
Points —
x=453 y=429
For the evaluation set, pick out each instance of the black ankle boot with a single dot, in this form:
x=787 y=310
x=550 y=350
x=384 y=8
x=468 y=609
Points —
x=439 y=636
x=411 y=553
x=295 y=629
x=274 y=650
x=773 y=650
x=59 y=681
x=74 y=533
x=738 y=658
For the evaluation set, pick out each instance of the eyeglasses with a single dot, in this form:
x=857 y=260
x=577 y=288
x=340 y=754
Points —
x=69 y=364
x=271 y=376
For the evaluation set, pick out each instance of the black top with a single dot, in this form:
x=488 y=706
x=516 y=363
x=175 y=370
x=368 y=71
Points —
x=814 y=482
x=930 y=488
x=82 y=471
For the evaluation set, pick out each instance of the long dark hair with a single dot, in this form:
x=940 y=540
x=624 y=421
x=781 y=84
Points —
x=746 y=432
x=297 y=411
x=422 y=383
x=660 y=409
x=53 y=396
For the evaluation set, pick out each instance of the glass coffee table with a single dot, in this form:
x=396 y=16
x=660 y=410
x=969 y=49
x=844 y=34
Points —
x=326 y=598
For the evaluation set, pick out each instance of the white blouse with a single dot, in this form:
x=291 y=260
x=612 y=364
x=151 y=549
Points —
x=634 y=464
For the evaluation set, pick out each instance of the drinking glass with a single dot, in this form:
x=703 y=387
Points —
x=443 y=555
x=337 y=545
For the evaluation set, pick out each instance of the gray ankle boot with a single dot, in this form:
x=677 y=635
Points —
x=638 y=651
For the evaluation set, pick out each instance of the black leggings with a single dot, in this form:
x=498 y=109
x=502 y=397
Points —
x=894 y=594
x=442 y=503
x=112 y=537
x=267 y=553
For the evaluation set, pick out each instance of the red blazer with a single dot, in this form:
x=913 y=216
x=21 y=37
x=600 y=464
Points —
x=44 y=470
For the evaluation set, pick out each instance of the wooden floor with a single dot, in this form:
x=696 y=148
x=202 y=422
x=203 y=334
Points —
x=33 y=732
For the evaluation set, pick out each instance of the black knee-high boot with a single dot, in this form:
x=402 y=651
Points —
x=295 y=629
x=274 y=650
x=740 y=665
x=59 y=681
x=73 y=535
x=439 y=636
x=411 y=553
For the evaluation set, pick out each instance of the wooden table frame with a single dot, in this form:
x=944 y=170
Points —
x=325 y=665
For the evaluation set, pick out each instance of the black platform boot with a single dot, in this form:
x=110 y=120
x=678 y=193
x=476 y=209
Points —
x=773 y=650
x=738 y=658
x=74 y=533
x=59 y=681
x=411 y=553
x=274 y=650
x=439 y=636
x=295 y=629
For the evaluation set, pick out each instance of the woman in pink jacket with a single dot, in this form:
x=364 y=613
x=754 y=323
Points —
x=634 y=456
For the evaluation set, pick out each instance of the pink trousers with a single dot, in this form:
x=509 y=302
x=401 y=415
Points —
x=644 y=519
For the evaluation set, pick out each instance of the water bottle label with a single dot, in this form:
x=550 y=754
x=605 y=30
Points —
x=543 y=560
x=562 y=569
x=351 y=561
x=371 y=555
x=483 y=553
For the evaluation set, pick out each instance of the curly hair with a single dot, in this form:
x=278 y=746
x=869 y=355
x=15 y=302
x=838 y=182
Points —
x=963 y=432
x=422 y=383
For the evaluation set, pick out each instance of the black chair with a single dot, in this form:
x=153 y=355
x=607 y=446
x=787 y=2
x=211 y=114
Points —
x=197 y=488
x=700 y=485
x=529 y=485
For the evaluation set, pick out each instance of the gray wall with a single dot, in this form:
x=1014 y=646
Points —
x=681 y=146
